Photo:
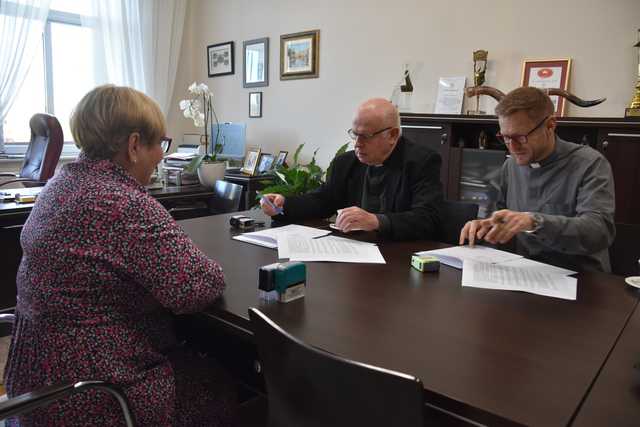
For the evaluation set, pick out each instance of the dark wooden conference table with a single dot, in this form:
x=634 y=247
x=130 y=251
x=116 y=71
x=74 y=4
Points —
x=494 y=357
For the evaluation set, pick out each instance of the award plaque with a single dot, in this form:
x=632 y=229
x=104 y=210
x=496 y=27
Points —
x=634 y=108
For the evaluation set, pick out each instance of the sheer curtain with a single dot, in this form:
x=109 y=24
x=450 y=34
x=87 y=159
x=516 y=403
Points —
x=138 y=44
x=21 y=26
x=162 y=28
x=117 y=42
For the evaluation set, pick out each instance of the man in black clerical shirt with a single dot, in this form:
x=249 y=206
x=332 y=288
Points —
x=388 y=183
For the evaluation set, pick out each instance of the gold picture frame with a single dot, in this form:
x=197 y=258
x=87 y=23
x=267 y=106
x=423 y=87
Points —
x=546 y=74
x=300 y=55
x=251 y=161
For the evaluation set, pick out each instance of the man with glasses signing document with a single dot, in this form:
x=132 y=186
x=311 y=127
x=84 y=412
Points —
x=556 y=198
x=387 y=183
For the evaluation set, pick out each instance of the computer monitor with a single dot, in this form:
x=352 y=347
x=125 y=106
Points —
x=233 y=136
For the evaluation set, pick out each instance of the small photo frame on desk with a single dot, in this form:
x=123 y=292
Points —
x=266 y=162
x=282 y=156
x=251 y=161
x=546 y=74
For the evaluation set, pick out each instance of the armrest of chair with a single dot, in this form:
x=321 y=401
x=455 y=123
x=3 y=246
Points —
x=34 y=181
x=29 y=401
x=9 y=174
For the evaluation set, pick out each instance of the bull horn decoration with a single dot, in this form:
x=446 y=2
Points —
x=498 y=95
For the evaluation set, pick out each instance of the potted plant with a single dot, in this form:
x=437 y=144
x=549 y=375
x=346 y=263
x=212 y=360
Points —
x=209 y=169
x=299 y=178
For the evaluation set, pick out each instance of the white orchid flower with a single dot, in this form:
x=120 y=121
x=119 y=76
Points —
x=184 y=104
x=193 y=88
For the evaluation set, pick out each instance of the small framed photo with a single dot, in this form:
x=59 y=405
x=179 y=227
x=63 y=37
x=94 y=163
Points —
x=548 y=73
x=256 y=63
x=299 y=55
x=220 y=59
x=251 y=161
x=255 y=104
x=266 y=163
x=282 y=156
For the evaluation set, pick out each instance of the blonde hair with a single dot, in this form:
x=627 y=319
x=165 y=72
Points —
x=105 y=117
x=531 y=100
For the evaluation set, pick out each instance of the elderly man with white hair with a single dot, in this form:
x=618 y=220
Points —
x=387 y=183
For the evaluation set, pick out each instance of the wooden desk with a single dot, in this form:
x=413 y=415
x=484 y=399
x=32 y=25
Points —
x=495 y=357
x=614 y=399
x=13 y=216
x=12 y=213
x=250 y=185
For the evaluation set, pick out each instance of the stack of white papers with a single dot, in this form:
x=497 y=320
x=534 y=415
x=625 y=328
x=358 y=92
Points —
x=301 y=243
x=504 y=277
x=329 y=248
x=269 y=236
x=489 y=268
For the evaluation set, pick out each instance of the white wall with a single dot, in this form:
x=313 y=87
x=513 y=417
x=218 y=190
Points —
x=364 y=44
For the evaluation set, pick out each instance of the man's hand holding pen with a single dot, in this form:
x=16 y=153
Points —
x=501 y=227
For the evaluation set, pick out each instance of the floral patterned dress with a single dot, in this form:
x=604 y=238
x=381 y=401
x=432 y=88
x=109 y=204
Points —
x=104 y=266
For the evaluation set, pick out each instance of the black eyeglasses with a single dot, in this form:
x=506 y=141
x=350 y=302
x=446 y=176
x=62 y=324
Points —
x=165 y=143
x=364 y=136
x=520 y=139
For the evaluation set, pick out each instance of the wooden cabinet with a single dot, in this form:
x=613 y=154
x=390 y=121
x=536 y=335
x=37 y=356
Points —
x=471 y=157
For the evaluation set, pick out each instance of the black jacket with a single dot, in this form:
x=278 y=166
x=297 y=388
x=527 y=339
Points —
x=413 y=192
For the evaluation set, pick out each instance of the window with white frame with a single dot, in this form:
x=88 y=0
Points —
x=60 y=74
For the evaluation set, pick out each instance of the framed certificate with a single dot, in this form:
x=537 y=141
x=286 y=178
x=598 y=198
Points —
x=545 y=74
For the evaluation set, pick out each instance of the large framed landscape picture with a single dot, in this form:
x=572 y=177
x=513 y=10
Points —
x=299 y=55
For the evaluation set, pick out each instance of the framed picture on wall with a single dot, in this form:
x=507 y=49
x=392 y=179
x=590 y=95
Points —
x=299 y=55
x=256 y=62
x=220 y=59
x=255 y=104
x=548 y=73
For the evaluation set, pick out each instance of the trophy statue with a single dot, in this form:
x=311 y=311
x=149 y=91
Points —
x=401 y=95
x=479 y=70
x=634 y=108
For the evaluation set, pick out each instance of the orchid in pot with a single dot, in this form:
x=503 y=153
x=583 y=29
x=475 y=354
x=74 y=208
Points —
x=199 y=108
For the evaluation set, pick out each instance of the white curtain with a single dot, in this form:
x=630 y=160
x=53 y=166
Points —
x=117 y=42
x=21 y=27
x=138 y=44
x=162 y=25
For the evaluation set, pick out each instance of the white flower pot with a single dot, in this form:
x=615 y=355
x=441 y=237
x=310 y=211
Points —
x=209 y=173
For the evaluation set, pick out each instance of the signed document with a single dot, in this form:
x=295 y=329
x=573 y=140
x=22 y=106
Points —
x=298 y=247
x=511 y=278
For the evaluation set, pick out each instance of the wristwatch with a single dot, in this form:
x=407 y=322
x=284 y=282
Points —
x=537 y=220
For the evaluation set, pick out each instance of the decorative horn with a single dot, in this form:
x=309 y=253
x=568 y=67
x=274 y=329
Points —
x=498 y=95
x=574 y=99
x=485 y=90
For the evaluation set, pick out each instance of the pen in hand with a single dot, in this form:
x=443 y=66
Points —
x=269 y=203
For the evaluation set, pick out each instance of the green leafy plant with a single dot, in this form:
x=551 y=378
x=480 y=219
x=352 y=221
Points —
x=298 y=178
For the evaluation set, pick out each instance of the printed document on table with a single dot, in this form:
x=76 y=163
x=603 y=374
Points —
x=455 y=255
x=269 y=237
x=499 y=276
x=330 y=248
x=540 y=267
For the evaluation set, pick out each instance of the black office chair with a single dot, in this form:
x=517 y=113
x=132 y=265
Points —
x=624 y=252
x=227 y=198
x=454 y=216
x=310 y=387
x=43 y=153
x=29 y=401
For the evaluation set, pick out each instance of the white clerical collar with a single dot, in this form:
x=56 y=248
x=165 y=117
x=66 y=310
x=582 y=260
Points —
x=535 y=165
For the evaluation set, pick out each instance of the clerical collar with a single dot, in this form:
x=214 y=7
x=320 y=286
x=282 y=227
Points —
x=535 y=165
